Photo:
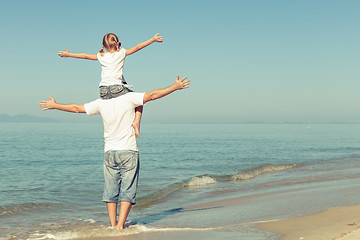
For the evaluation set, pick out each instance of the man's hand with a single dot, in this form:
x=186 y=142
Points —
x=46 y=105
x=181 y=84
x=158 y=38
x=52 y=104
x=64 y=54
x=159 y=93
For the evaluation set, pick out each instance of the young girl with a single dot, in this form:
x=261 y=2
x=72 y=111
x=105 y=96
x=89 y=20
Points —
x=112 y=82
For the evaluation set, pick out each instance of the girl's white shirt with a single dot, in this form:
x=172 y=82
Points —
x=112 y=65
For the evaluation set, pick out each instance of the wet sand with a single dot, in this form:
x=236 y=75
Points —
x=256 y=217
x=268 y=210
x=341 y=223
x=226 y=219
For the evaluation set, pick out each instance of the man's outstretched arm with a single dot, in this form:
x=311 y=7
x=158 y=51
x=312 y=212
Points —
x=52 y=104
x=159 y=93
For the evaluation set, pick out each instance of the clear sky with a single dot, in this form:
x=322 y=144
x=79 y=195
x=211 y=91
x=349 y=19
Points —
x=253 y=60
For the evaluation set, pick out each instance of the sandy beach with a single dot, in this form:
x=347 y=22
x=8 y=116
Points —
x=341 y=223
x=217 y=194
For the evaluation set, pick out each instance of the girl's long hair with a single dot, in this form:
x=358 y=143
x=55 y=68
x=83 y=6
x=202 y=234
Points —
x=110 y=42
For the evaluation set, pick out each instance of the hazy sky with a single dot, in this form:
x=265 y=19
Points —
x=254 y=60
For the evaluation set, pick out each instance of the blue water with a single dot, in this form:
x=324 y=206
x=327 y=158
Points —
x=51 y=173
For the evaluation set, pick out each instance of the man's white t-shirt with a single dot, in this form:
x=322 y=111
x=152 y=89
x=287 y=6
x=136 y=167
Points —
x=112 y=65
x=118 y=114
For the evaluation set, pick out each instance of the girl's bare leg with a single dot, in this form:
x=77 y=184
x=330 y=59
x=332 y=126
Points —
x=136 y=123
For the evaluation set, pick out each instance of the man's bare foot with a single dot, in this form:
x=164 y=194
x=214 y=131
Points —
x=136 y=127
x=119 y=227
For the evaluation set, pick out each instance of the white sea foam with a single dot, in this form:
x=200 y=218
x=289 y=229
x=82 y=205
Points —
x=251 y=173
x=87 y=220
x=108 y=232
x=200 y=181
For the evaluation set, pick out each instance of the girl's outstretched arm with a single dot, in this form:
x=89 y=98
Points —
x=77 y=55
x=140 y=46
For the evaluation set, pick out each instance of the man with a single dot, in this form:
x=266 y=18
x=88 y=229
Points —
x=121 y=160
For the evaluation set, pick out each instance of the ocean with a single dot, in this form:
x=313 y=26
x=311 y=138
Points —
x=207 y=181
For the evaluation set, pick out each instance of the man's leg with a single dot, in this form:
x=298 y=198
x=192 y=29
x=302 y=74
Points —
x=112 y=209
x=111 y=186
x=129 y=180
x=123 y=213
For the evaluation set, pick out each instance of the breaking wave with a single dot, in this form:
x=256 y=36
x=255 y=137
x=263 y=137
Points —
x=254 y=172
x=205 y=180
x=200 y=181
x=20 y=208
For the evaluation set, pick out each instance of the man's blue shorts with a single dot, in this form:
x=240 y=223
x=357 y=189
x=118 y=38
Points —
x=121 y=173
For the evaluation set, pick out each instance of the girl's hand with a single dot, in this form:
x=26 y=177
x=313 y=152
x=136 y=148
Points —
x=181 y=84
x=158 y=38
x=64 y=54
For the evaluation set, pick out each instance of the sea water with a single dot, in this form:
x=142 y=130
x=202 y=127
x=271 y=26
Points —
x=52 y=182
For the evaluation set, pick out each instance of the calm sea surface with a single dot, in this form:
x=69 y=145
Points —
x=52 y=180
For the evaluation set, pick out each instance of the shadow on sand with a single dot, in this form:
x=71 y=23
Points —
x=153 y=217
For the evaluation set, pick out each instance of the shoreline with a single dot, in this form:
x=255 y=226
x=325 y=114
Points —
x=340 y=223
